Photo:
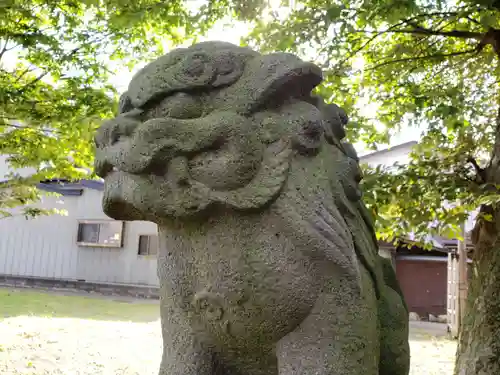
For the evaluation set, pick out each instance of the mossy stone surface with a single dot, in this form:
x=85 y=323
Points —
x=268 y=261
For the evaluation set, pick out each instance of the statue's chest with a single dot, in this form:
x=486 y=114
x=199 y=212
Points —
x=223 y=271
x=229 y=287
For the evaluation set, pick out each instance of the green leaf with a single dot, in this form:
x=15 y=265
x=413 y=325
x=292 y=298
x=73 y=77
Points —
x=54 y=91
x=334 y=12
x=403 y=59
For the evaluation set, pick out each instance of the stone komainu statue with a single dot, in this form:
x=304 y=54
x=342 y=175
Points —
x=268 y=262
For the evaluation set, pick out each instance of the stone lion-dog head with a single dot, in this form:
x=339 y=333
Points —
x=217 y=125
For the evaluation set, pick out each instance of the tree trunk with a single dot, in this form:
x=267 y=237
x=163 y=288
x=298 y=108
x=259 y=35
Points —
x=479 y=340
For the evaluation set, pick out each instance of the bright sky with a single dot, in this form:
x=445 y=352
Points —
x=233 y=33
x=221 y=31
x=230 y=31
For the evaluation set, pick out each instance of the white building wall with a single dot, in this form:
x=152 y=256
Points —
x=401 y=154
x=397 y=154
x=5 y=170
x=47 y=245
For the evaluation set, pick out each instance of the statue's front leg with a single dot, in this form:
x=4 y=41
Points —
x=394 y=325
x=183 y=350
x=339 y=337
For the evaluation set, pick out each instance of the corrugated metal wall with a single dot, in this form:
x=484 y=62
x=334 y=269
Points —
x=46 y=246
x=424 y=285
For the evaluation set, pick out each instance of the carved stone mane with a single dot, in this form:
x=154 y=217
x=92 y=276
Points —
x=268 y=259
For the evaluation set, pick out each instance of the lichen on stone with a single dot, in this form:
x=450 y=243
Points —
x=268 y=260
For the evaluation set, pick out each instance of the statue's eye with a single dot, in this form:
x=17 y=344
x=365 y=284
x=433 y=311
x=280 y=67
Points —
x=179 y=105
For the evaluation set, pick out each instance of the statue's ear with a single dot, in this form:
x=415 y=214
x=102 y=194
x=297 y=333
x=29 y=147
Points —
x=269 y=77
x=350 y=151
x=335 y=121
x=309 y=129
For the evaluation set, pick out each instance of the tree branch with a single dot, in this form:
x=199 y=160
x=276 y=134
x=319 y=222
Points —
x=473 y=20
x=418 y=30
x=422 y=31
x=464 y=12
x=479 y=171
x=29 y=69
x=4 y=48
x=436 y=56
x=35 y=80
x=432 y=14
x=28 y=127
x=356 y=51
x=492 y=37
x=494 y=164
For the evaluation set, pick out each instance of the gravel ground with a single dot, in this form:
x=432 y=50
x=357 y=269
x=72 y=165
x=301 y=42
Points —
x=432 y=353
x=32 y=345
x=50 y=345
x=65 y=346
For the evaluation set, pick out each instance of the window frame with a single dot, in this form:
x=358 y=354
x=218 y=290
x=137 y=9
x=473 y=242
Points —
x=98 y=244
x=139 y=245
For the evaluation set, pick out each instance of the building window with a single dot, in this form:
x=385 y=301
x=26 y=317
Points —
x=96 y=233
x=148 y=245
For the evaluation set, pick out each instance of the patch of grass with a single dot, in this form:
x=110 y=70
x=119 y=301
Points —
x=44 y=304
x=43 y=333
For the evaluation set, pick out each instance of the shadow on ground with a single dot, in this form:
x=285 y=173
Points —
x=19 y=302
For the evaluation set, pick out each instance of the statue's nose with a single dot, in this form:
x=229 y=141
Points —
x=101 y=137
x=112 y=130
x=110 y=133
x=101 y=166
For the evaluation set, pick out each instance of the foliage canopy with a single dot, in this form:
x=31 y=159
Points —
x=56 y=58
x=394 y=65
x=391 y=64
